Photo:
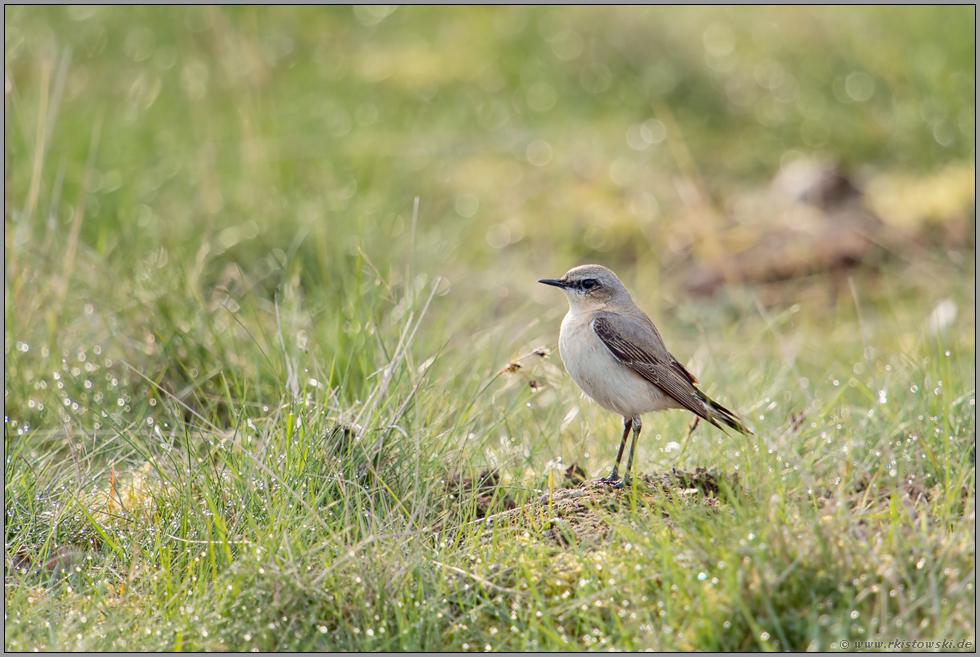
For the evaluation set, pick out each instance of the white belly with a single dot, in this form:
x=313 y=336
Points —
x=601 y=376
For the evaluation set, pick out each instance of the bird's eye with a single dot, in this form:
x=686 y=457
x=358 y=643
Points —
x=589 y=283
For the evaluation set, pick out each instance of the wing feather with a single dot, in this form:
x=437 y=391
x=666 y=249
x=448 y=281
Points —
x=663 y=371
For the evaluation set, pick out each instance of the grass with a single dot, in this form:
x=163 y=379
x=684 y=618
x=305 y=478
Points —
x=253 y=387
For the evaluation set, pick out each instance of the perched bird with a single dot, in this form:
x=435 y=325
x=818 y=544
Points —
x=615 y=354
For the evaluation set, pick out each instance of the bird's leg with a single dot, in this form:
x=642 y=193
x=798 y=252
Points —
x=614 y=477
x=637 y=426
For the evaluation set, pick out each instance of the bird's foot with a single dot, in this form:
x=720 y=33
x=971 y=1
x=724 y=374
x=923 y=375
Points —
x=616 y=482
x=611 y=479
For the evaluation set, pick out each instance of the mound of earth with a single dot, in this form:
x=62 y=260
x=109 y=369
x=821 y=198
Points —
x=583 y=514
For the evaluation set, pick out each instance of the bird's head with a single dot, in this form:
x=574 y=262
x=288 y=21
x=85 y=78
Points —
x=590 y=287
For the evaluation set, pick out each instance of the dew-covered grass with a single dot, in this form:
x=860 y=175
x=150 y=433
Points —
x=255 y=391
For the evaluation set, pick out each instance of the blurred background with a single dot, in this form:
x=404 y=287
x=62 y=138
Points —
x=163 y=164
x=274 y=340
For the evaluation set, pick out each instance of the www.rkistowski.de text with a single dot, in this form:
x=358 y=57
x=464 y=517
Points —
x=906 y=644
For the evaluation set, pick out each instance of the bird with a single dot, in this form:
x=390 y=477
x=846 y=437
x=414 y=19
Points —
x=615 y=354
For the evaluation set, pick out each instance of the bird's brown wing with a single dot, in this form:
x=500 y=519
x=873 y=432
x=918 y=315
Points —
x=664 y=372
x=637 y=344
x=640 y=348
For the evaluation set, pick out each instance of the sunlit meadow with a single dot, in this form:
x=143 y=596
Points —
x=278 y=374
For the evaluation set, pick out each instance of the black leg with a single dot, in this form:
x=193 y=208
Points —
x=614 y=477
x=637 y=426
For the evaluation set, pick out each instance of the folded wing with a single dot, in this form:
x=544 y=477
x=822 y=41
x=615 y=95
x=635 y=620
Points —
x=640 y=348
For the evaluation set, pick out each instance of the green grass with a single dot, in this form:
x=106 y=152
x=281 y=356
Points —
x=244 y=371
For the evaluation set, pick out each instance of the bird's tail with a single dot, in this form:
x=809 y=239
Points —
x=718 y=413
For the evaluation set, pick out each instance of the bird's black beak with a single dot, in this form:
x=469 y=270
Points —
x=554 y=282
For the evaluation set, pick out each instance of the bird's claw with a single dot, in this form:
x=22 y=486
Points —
x=616 y=482
x=611 y=479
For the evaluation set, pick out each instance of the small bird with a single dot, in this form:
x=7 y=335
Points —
x=615 y=354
